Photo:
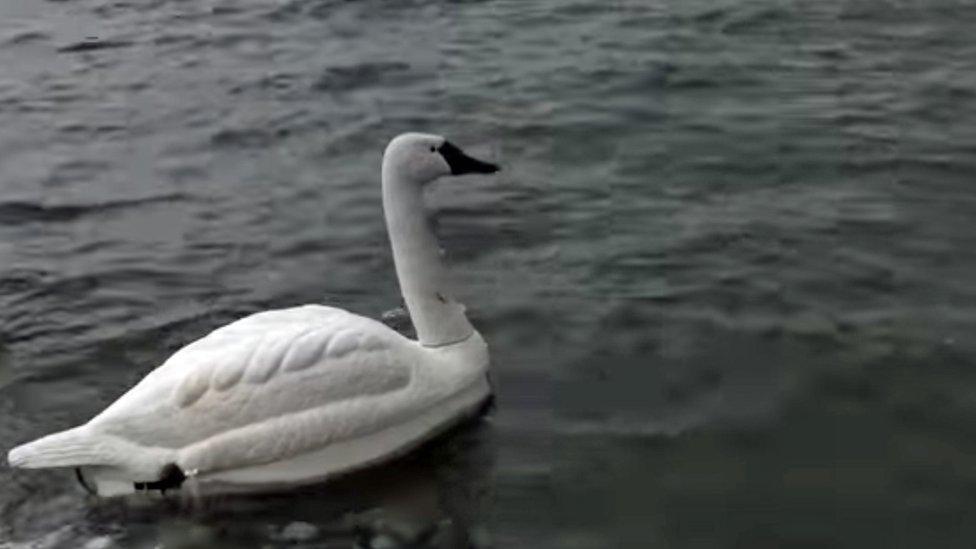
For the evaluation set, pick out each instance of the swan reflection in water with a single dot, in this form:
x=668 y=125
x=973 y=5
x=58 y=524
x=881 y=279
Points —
x=438 y=496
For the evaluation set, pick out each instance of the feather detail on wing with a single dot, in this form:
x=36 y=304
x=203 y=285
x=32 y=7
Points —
x=257 y=369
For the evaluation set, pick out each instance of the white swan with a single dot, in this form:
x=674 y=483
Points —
x=298 y=395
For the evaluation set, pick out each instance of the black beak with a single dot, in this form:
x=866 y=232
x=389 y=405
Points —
x=461 y=163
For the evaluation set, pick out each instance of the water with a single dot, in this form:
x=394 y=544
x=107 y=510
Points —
x=726 y=274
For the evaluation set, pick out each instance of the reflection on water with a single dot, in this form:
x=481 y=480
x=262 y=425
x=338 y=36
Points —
x=725 y=273
x=436 y=497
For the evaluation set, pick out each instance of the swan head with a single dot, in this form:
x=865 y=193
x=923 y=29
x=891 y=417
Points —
x=422 y=158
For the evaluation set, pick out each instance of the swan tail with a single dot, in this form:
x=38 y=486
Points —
x=71 y=448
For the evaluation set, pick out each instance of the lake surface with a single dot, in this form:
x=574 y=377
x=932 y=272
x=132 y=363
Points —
x=726 y=276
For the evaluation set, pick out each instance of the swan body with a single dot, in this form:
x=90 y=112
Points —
x=301 y=394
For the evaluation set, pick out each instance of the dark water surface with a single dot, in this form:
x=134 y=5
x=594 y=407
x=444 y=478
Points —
x=727 y=275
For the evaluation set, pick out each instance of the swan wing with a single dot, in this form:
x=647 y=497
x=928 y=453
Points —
x=246 y=386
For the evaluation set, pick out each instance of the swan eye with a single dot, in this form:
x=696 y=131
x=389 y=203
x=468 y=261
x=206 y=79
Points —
x=433 y=148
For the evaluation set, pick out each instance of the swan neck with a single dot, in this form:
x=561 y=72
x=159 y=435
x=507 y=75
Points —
x=437 y=316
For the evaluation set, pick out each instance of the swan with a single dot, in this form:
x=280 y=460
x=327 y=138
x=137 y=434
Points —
x=298 y=395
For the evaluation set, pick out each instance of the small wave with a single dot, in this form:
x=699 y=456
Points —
x=25 y=37
x=583 y=9
x=244 y=137
x=667 y=427
x=710 y=14
x=93 y=44
x=753 y=20
x=19 y=280
x=357 y=76
x=16 y=212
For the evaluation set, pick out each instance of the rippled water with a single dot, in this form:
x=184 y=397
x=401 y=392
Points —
x=726 y=274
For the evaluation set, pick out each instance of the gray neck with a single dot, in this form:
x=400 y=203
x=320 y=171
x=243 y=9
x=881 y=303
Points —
x=439 y=319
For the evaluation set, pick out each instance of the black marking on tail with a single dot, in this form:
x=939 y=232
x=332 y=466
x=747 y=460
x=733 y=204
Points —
x=170 y=477
x=84 y=483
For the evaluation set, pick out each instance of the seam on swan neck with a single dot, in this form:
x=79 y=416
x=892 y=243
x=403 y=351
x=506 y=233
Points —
x=448 y=344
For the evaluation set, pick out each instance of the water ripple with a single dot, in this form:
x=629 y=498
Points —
x=19 y=212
